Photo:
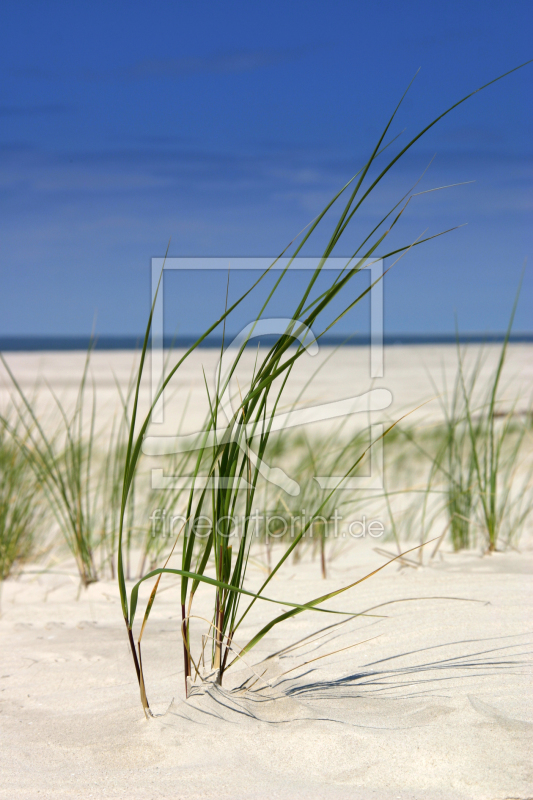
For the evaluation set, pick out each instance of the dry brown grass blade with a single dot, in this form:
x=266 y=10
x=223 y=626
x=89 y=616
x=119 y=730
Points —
x=156 y=585
x=325 y=655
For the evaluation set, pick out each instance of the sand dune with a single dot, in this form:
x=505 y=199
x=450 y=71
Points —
x=430 y=699
x=439 y=706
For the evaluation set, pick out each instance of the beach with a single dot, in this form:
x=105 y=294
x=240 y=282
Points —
x=423 y=691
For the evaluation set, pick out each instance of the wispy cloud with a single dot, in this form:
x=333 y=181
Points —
x=218 y=63
x=187 y=175
x=175 y=68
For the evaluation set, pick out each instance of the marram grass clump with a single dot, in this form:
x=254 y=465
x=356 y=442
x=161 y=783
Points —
x=233 y=449
x=19 y=506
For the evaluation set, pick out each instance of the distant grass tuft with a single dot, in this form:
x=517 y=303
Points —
x=19 y=506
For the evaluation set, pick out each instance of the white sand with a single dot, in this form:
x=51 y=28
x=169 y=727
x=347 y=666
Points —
x=439 y=706
x=341 y=374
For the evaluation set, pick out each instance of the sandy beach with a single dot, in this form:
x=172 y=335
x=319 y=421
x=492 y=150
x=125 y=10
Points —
x=279 y=545
x=426 y=697
x=339 y=373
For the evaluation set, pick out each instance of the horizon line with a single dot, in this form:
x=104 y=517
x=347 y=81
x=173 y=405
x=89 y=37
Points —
x=67 y=342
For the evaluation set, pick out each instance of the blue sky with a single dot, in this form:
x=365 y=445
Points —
x=226 y=127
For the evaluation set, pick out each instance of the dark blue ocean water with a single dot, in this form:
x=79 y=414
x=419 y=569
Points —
x=64 y=343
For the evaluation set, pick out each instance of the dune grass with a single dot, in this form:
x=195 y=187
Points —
x=493 y=456
x=19 y=510
x=79 y=479
x=109 y=495
x=332 y=455
x=480 y=454
x=62 y=465
x=477 y=487
x=460 y=471
x=234 y=449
